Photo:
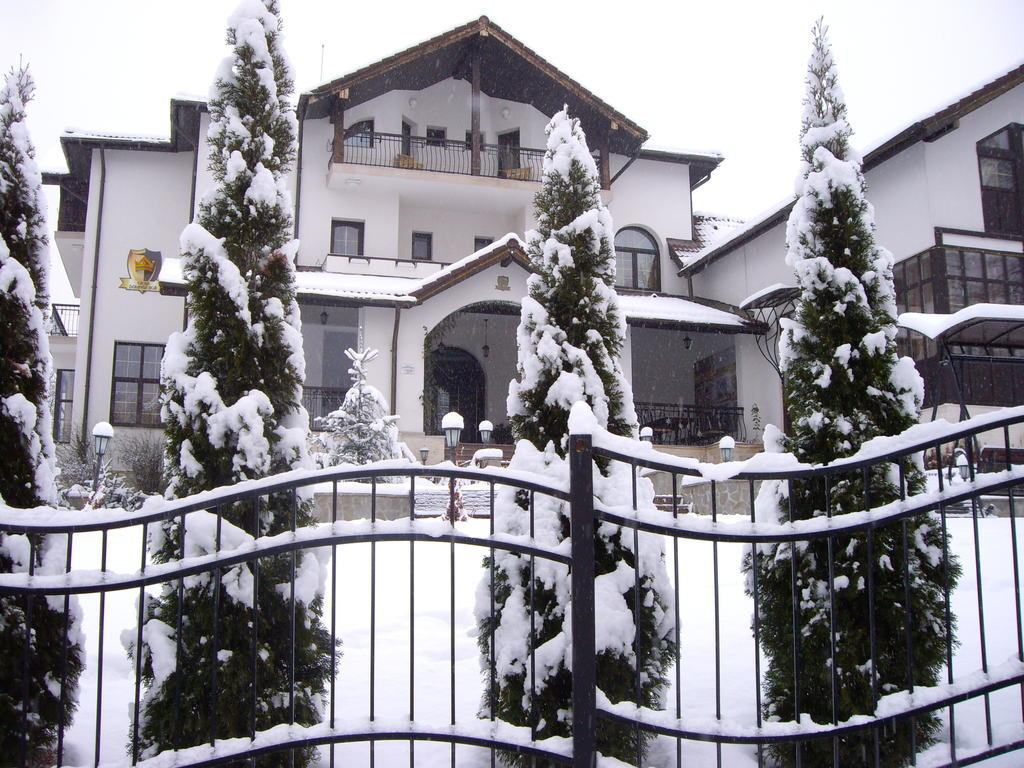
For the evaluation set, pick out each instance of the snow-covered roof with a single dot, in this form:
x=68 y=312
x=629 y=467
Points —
x=671 y=309
x=980 y=324
x=408 y=291
x=84 y=133
x=707 y=229
x=928 y=127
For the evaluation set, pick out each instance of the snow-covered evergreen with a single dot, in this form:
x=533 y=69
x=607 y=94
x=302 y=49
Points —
x=26 y=446
x=361 y=430
x=844 y=385
x=232 y=411
x=570 y=336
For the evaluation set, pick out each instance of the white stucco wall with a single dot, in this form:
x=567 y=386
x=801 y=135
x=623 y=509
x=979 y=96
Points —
x=145 y=206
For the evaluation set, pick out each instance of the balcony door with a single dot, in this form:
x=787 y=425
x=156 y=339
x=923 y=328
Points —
x=508 y=151
x=406 y=138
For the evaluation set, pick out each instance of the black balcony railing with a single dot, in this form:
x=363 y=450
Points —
x=320 y=401
x=420 y=153
x=691 y=424
x=64 y=320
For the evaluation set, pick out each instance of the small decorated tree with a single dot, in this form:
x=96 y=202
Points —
x=361 y=430
x=232 y=409
x=26 y=447
x=843 y=386
x=570 y=336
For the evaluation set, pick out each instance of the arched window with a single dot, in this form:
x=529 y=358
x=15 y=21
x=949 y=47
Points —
x=636 y=260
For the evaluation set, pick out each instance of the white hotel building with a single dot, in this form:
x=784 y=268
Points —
x=413 y=186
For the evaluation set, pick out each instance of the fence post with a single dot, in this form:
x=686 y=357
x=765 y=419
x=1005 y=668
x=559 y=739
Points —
x=584 y=662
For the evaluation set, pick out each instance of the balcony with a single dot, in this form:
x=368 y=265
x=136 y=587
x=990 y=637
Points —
x=420 y=153
x=691 y=424
x=63 y=320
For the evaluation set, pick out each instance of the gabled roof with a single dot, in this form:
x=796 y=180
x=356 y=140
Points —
x=707 y=229
x=509 y=70
x=927 y=129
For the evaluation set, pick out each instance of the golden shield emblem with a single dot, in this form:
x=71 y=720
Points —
x=143 y=270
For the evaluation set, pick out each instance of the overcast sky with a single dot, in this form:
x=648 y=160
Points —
x=721 y=75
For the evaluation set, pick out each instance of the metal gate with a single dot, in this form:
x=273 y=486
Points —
x=589 y=706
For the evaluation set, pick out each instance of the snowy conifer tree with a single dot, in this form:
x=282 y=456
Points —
x=843 y=386
x=361 y=429
x=232 y=411
x=26 y=445
x=570 y=335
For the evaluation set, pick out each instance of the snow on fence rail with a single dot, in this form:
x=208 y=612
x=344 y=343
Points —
x=412 y=710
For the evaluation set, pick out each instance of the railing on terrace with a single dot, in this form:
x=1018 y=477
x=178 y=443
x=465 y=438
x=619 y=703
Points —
x=675 y=424
x=397 y=701
x=320 y=402
x=64 y=320
x=420 y=153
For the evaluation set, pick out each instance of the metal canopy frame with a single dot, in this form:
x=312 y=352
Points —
x=984 y=332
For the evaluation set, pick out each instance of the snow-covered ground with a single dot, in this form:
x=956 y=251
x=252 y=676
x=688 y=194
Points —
x=432 y=575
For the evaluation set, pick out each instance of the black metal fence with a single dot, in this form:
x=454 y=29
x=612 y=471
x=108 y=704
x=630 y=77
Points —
x=704 y=721
x=421 y=153
x=320 y=402
x=680 y=424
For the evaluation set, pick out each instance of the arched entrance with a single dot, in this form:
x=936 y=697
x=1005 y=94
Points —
x=458 y=385
x=469 y=359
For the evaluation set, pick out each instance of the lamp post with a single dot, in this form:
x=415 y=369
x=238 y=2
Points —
x=725 y=445
x=452 y=425
x=647 y=434
x=101 y=435
x=963 y=466
x=424 y=453
x=485 y=429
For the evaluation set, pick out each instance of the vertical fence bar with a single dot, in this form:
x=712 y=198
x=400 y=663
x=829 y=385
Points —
x=675 y=589
x=584 y=663
x=981 y=601
x=216 y=637
x=412 y=627
x=795 y=597
x=373 y=613
x=254 y=672
x=64 y=653
x=451 y=623
x=334 y=621
x=637 y=637
x=946 y=603
x=491 y=662
x=533 y=628
x=833 y=655
x=99 y=651
x=718 y=623
x=908 y=616
x=26 y=659
x=138 y=650
x=755 y=566
x=1016 y=561
x=872 y=625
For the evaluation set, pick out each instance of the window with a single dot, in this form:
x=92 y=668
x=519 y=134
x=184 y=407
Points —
x=636 y=260
x=135 y=394
x=347 y=238
x=436 y=136
x=62 y=402
x=481 y=242
x=1000 y=167
x=360 y=134
x=422 y=246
